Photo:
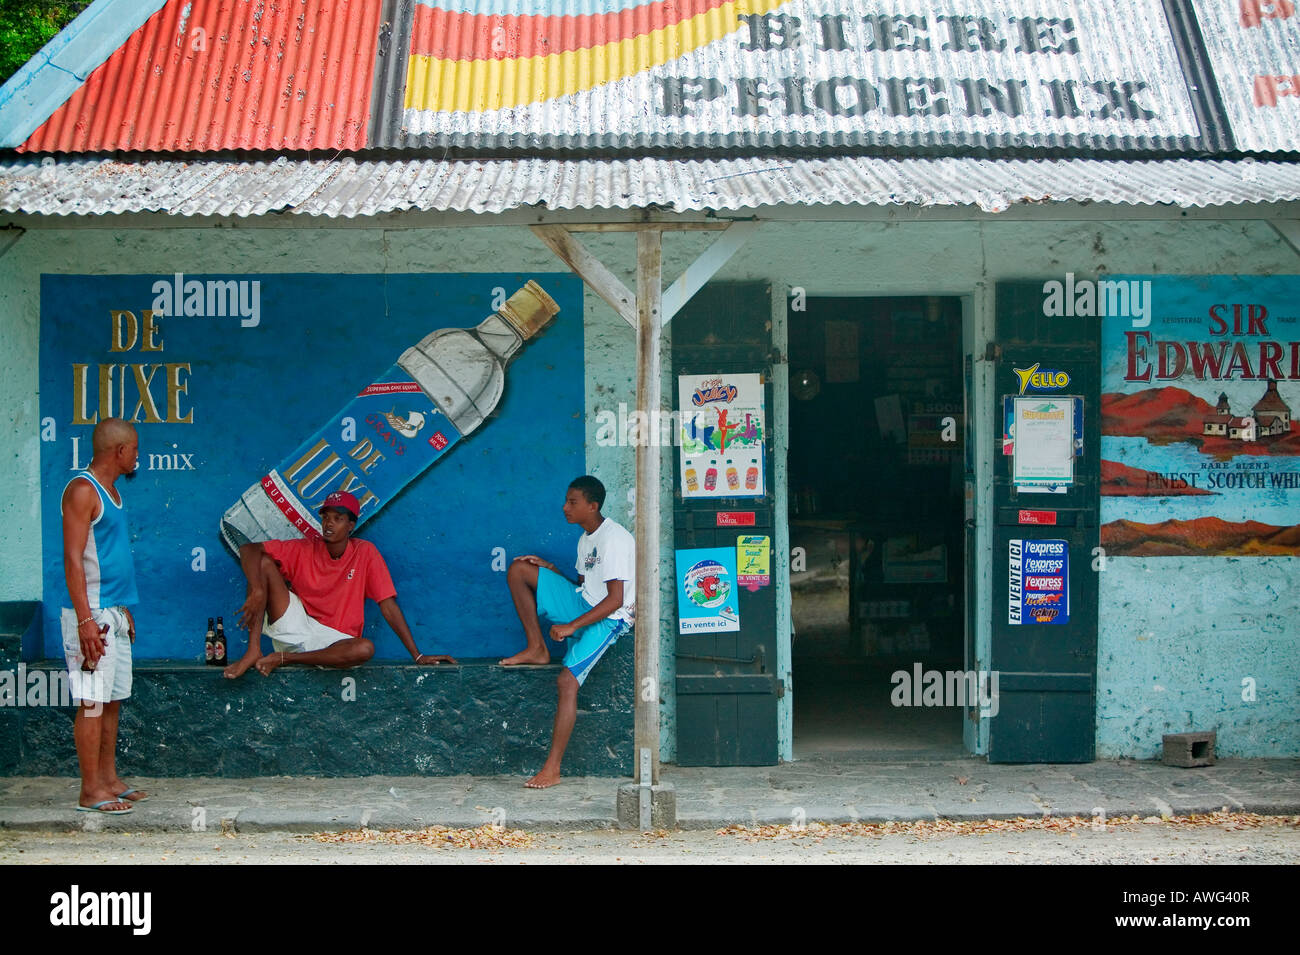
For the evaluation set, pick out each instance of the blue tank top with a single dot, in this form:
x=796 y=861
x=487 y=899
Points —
x=107 y=561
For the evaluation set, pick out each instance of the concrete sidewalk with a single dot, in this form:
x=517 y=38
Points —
x=821 y=789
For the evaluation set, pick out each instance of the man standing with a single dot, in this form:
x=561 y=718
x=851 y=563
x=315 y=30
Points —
x=591 y=615
x=319 y=620
x=98 y=630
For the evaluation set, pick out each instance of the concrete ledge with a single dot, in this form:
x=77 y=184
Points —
x=476 y=717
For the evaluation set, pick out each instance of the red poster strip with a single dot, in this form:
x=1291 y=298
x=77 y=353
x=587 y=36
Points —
x=390 y=388
x=735 y=519
x=1037 y=517
x=288 y=510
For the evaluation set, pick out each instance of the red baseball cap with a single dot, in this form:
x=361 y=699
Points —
x=344 y=500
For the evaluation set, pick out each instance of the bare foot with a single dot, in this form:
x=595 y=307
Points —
x=123 y=791
x=240 y=666
x=545 y=779
x=114 y=802
x=269 y=662
x=539 y=657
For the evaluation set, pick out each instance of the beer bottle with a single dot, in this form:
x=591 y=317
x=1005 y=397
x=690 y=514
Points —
x=440 y=390
x=219 y=645
x=209 y=647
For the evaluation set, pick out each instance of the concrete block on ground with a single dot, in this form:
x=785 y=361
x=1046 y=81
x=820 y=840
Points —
x=1189 y=750
x=663 y=806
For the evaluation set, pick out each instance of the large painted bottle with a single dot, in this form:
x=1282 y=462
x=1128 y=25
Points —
x=440 y=390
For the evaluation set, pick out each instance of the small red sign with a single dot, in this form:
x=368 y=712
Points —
x=1038 y=517
x=438 y=441
x=735 y=519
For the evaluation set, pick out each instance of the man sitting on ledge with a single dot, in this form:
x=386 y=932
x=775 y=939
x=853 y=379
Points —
x=591 y=616
x=319 y=621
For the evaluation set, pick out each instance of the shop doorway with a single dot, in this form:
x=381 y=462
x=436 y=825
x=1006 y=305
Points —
x=876 y=465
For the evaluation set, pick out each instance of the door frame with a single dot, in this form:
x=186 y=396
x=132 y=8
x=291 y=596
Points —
x=977 y=333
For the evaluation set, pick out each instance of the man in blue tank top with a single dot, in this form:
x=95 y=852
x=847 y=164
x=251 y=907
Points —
x=98 y=628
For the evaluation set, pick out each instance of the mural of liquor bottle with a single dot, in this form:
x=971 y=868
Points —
x=440 y=390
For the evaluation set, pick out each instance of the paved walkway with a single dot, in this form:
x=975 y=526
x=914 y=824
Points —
x=824 y=789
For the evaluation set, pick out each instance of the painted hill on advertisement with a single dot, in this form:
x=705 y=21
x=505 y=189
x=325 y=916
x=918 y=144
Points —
x=1169 y=415
x=1120 y=480
x=1202 y=537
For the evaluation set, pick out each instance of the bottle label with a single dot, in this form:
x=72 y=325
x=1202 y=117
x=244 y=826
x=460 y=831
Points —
x=372 y=448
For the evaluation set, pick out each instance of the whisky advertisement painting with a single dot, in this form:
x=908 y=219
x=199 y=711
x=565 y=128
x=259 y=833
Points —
x=435 y=400
x=1200 y=383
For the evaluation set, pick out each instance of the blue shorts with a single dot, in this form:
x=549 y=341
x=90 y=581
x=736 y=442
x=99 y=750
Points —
x=558 y=602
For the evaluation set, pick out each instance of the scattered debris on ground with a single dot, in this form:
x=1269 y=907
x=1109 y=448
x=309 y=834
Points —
x=1228 y=821
x=437 y=837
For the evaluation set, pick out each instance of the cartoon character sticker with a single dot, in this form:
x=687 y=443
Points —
x=706 y=591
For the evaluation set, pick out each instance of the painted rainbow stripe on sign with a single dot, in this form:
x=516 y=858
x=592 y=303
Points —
x=500 y=61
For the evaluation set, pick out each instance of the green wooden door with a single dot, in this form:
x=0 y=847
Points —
x=1044 y=631
x=727 y=685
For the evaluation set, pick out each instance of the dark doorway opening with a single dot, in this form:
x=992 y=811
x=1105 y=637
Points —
x=876 y=521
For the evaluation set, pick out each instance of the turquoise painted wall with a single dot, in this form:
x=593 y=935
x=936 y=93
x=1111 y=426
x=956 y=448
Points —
x=1156 y=663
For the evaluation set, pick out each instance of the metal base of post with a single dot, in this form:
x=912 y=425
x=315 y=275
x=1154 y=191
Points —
x=661 y=803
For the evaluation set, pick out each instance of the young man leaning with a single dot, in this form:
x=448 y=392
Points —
x=588 y=616
x=309 y=597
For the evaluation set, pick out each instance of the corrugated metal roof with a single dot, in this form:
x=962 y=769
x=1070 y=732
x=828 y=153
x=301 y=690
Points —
x=1254 y=48
x=44 y=83
x=228 y=74
x=346 y=187
x=742 y=75
x=1083 y=74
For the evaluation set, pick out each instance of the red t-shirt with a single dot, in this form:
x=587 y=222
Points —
x=334 y=591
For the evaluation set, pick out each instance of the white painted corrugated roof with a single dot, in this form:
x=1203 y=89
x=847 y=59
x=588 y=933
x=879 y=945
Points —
x=1254 y=51
x=347 y=187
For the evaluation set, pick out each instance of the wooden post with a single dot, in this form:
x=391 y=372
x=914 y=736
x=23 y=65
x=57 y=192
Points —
x=649 y=289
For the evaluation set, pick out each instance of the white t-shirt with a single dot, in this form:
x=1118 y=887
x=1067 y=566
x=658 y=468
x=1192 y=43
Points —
x=609 y=553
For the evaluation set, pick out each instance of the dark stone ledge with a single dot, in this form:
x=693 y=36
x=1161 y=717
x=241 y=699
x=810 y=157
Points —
x=476 y=718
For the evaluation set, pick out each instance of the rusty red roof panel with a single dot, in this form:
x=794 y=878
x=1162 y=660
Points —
x=228 y=74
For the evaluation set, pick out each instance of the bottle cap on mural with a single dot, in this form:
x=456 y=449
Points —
x=529 y=310
x=344 y=500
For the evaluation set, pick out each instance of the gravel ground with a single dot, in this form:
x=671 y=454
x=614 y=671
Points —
x=1158 y=843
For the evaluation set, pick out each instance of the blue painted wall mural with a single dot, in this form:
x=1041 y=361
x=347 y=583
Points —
x=224 y=387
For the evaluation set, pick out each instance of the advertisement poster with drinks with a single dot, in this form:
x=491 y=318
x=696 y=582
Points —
x=1200 y=449
x=722 y=435
x=1039 y=587
x=706 y=590
x=435 y=400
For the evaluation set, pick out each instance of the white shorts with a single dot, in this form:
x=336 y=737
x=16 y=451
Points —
x=111 y=678
x=296 y=632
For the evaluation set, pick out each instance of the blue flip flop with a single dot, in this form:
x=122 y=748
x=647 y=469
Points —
x=106 y=812
x=124 y=795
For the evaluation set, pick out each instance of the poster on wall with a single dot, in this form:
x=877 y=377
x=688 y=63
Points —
x=1200 y=453
x=706 y=590
x=254 y=396
x=754 y=562
x=722 y=434
x=1038 y=589
x=1043 y=432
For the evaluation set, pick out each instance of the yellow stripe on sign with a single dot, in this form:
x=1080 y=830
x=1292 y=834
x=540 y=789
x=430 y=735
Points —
x=446 y=85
